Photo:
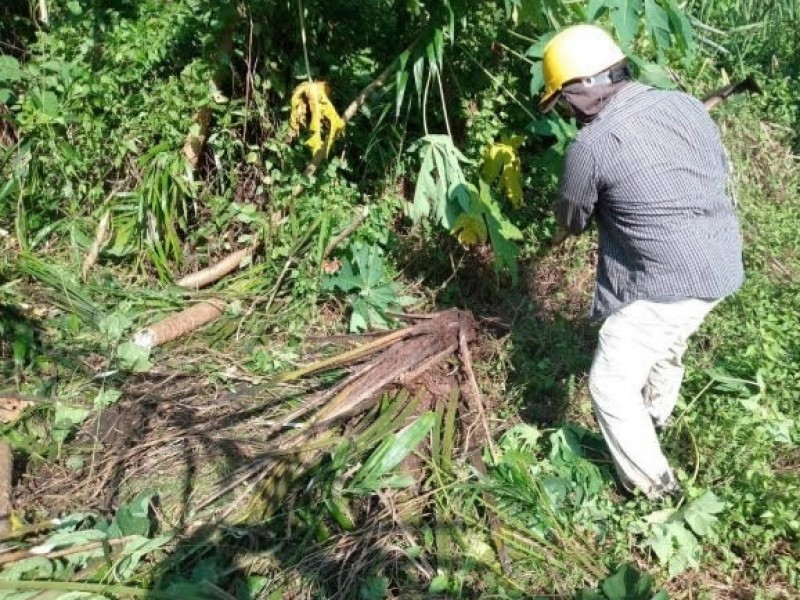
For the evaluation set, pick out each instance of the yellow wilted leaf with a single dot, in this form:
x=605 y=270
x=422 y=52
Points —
x=311 y=105
x=511 y=181
x=502 y=159
x=470 y=229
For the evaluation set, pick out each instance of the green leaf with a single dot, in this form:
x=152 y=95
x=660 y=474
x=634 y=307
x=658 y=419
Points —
x=359 y=318
x=47 y=102
x=626 y=20
x=425 y=192
x=536 y=50
x=595 y=9
x=439 y=584
x=652 y=73
x=106 y=398
x=134 y=551
x=419 y=72
x=74 y=7
x=390 y=453
x=31 y=568
x=9 y=69
x=401 y=81
x=699 y=514
x=628 y=583
x=681 y=27
x=502 y=233
x=537 y=79
x=133 y=357
x=374 y=588
x=66 y=418
x=344 y=279
x=67 y=539
x=658 y=26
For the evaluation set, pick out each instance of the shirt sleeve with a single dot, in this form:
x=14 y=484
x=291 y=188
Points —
x=578 y=193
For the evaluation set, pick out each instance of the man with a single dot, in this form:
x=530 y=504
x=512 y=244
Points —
x=649 y=168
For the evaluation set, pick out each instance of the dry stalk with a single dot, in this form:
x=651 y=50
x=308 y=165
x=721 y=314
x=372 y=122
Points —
x=100 y=239
x=179 y=324
x=216 y=271
x=194 y=143
x=12 y=557
x=346 y=232
x=475 y=398
x=394 y=358
x=6 y=471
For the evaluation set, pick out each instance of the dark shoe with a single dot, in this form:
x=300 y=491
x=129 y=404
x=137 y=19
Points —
x=667 y=488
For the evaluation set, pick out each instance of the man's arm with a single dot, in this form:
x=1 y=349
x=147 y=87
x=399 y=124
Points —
x=578 y=193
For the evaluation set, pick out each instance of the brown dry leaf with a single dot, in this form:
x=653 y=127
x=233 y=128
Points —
x=329 y=267
x=11 y=408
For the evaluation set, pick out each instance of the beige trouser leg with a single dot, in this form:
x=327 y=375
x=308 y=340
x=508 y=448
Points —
x=635 y=380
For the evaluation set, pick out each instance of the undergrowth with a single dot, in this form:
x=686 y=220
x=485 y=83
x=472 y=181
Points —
x=222 y=465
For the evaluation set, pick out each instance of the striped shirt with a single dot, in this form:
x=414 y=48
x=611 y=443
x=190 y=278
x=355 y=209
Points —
x=651 y=170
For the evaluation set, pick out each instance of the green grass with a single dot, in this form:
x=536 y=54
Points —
x=103 y=107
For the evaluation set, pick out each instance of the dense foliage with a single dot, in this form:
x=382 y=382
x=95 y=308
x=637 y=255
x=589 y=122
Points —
x=372 y=157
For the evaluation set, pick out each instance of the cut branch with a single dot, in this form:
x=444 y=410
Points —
x=346 y=232
x=100 y=239
x=179 y=324
x=216 y=271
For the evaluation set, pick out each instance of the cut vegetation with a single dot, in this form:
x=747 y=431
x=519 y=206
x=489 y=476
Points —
x=280 y=317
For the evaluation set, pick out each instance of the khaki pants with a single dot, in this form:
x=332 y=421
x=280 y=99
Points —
x=635 y=381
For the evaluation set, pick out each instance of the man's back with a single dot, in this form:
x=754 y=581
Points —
x=653 y=167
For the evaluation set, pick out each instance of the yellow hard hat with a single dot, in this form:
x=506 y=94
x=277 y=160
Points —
x=576 y=52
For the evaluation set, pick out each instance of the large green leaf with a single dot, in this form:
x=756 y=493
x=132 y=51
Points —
x=625 y=17
x=652 y=74
x=9 y=69
x=700 y=514
x=681 y=27
x=375 y=473
x=502 y=233
x=596 y=8
x=66 y=418
x=628 y=583
x=658 y=26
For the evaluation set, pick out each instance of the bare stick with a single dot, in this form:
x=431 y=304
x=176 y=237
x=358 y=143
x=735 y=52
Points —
x=476 y=392
x=179 y=324
x=12 y=557
x=100 y=238
x=6 y=471
x=346 y=232
x=216 y=271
